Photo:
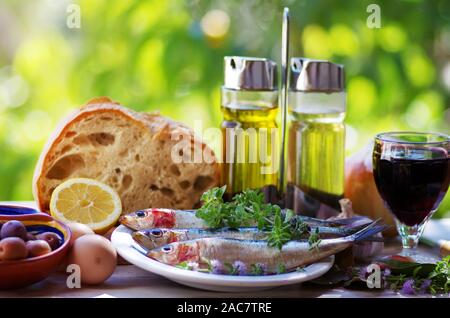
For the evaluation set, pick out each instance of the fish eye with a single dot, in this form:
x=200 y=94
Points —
x=140 y=214
x=167 y=248
x=156 y=232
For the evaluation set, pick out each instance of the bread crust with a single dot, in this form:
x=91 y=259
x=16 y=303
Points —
x=161 y=128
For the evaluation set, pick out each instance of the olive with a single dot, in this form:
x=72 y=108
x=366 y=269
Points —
x=30 y=237
x=12 y=248
x=52 y=239
x=38 y=248
x=13 y=229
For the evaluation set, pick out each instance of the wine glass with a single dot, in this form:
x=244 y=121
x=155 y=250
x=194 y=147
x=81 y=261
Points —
x=412 y=174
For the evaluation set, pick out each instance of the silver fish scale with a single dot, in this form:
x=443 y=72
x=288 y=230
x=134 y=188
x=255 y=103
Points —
x=188 y=220
x=242 y=234
x=293 y=254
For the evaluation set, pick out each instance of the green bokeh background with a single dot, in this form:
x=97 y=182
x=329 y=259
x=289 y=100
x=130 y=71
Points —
x=157 y=55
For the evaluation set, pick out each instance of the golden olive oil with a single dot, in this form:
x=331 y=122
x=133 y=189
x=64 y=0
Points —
x=316 y=155
x=249 y=148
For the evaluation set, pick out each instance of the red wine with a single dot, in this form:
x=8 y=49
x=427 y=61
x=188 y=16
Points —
x=411 y=188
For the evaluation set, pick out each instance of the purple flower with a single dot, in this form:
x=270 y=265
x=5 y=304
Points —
x=384 y=278
x=362 y=273
x=193 y=266
x=239 y=268
x=408 y=287
x=217 y=267
x=425 y=286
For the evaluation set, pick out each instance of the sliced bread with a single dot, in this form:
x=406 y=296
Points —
x=130 y=151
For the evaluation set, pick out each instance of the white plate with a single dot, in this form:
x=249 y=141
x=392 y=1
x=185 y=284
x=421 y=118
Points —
x=129 y=250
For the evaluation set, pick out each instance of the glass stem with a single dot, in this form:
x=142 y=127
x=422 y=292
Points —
x=411 y=234
x=410 y=241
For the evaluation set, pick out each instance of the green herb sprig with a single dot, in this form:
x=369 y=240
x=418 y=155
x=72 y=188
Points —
x=248 y=209
x=280 y=232
x=436 y=279
x=281 y=268
x=440 y=277
x=314 y=240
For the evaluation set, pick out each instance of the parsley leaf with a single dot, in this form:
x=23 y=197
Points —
x=248 y=209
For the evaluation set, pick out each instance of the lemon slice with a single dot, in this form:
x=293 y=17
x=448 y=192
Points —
x=86 y=201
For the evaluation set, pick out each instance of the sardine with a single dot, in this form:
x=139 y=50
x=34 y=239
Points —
x=164 y=218
x=152 y=238
x=168 y=218
x=227 y=251
x=156 y=237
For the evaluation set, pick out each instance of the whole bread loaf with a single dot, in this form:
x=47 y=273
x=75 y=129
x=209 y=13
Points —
x=130 y=151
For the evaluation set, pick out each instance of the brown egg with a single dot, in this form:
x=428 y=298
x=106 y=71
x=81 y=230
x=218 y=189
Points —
x=96 y=257
x=78 y=230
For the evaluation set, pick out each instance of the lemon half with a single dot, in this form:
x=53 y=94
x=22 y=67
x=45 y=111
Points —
x=86 y=201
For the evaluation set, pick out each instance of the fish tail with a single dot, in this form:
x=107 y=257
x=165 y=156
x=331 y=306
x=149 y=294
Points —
x=367 y=231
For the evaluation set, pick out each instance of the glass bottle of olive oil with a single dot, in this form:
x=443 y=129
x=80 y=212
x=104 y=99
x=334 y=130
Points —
x=316 y=138
x=249 y=106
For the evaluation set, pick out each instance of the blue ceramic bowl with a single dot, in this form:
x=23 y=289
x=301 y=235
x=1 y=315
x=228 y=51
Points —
x=15 y=210
x=21 y=273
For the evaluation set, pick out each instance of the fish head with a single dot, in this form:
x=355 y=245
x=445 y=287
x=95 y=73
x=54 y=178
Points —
x=153 y=238
x=148 y=218
x=137 y=220
x=177 y=252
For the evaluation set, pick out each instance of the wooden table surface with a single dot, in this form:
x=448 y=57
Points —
x=132 y=282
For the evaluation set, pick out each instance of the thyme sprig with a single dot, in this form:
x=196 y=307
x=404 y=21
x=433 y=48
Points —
x=314 y=240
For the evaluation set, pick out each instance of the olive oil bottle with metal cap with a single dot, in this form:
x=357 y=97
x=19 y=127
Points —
x=249 y=103
x=316 y=139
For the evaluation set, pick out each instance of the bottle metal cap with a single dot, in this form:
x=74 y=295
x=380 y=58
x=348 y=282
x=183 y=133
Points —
x=316 y=76
x=249 y=73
